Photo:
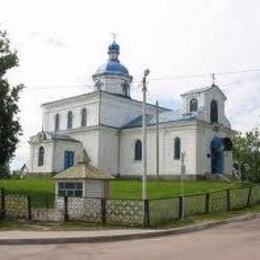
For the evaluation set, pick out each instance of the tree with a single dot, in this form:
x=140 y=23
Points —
x=247 y=154
x=10 y=127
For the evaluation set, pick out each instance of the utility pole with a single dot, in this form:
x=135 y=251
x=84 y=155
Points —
x=157 y=141
x=144 y=146
x=182 y=184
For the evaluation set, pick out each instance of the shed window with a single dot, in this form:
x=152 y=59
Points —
x=213 y=111
x=71 y=189
x=84 y=117
x=41 y=156
x=138 y=150
x=193 y=105
x=177 y=148
x=70 y=118
x=57 y=122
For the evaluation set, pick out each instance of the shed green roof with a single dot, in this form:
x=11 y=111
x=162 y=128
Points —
x=82 y=171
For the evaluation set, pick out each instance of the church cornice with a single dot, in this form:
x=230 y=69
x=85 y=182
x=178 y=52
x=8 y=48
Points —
x=130 y=100
x=82 y=97
x=176 y=124
x=220 y=127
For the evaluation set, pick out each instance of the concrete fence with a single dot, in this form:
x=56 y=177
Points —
x=129 y=212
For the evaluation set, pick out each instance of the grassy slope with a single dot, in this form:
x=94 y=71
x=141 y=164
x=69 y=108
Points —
x=133 y=189
x=32 y=185
x=122 y=188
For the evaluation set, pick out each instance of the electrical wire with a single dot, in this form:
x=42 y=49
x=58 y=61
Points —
x=137 y=87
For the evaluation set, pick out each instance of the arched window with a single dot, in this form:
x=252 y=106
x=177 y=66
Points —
x=125 y=88
x=193 y=105
x=57 y=122
x=177 y=148
x=69 y=122
x=138 y=150
x=213 y=111
x=84 y=117
x=41 y=156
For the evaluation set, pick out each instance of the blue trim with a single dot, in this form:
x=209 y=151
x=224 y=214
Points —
x=68 y=159
x=217 y=155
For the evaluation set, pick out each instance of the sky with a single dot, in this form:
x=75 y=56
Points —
x=61 y=44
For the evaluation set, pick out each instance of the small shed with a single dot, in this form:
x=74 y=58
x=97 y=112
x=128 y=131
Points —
x=82 y=180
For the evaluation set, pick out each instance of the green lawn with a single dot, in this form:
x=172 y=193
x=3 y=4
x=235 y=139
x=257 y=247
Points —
x=123 y=188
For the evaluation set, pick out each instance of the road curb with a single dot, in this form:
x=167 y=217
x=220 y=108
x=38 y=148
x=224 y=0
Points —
x=114 y=238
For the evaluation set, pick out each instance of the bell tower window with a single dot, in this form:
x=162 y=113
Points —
x=193 y=105
x=213 y=111
x=125 y=89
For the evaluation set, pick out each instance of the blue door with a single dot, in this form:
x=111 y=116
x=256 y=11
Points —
x=217 y=155
x=68 y=159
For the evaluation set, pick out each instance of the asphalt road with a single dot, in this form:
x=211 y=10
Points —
x=239 y=240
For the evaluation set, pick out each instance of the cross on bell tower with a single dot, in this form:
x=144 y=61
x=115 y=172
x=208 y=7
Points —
x=213 y=76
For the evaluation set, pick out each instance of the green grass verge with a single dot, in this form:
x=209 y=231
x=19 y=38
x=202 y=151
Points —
x=199 y=219
x=123 y=188
x=164 y=189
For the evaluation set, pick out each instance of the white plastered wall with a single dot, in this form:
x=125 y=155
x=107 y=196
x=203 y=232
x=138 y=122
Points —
x=48 y=155
x=59 y=148
x=108 y=150
x=53 y=155
x=74 y=104
x=118 y=111
x=168 y=165
x=90 y=141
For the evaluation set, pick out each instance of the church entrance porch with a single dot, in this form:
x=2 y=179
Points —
x=217 y=155
x=218 y=148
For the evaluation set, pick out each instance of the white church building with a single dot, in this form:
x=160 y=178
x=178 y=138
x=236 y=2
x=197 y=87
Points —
x=107 y=125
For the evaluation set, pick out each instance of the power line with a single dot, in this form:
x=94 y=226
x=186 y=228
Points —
x=188 y=76
x=204 y=75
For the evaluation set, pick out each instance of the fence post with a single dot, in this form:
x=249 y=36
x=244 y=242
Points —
x=228 y=200
x=3 y=201
x=181 y=209
x=249 y=196
x=207 y=203
x=29 y=207
x=103 y=211
x=146 y=213
x=66 y=216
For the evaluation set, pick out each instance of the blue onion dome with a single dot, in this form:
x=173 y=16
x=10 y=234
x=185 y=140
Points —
x=113 y=48
x=113 y=65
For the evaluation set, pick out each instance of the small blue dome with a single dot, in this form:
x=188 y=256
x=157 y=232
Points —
x=113 y=48
x=112 y=67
